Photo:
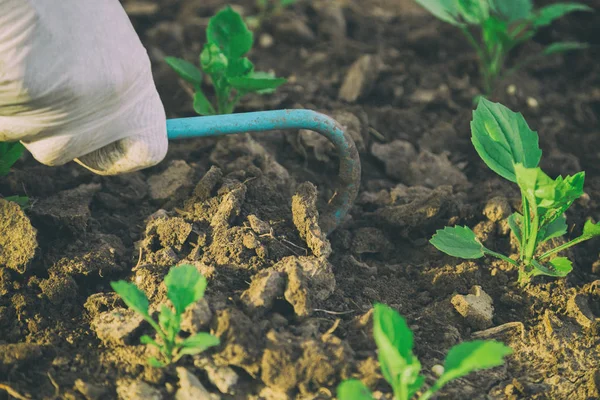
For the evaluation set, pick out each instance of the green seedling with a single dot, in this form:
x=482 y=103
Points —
x=185 y=285
x=508 y=147
x=502 y=25
x=10 y=152
x=223 y=60
x=266 y=10
x=401 y=369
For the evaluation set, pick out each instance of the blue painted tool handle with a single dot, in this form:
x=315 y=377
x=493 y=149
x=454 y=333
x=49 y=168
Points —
x=348 y=181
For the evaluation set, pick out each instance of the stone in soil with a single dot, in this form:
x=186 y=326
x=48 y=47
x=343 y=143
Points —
x=224 y=378
x=69 y=209
x=190 y=388
x=90 y=391
x=476 y=308
x=18 y=241
x=136 y=390
x=116 y=327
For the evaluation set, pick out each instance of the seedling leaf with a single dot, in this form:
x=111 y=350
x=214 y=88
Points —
x=446 y=10
x=228 y=31
x=133 y=297
x=502 y=138
x=514 y=10
x=515 y=221
x=558 y=267
x=145 y=339
x=202 y=105
x=185 y=285
x=252 y=84
x=10 y=152
x=197 y=343
x=458 y=241
x=185 y=69
x=555 y=229
x=394 y=343
x=22 y=201
x=239 y=67
x=474 y=11
x=548 y=14
x=153 y=362
x=562 y=47
x=468 y=357
x=591 y=230
x=353 y=389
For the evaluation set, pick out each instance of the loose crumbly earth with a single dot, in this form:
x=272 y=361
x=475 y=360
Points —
x=291 y=306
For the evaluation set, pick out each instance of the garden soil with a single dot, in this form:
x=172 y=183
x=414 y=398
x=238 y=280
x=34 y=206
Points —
x=291 y=306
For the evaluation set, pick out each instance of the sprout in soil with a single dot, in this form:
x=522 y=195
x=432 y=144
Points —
x=185 y=285
x=504 y=141
x=401 y=369
x=223 y=60
x=10 y=152
x=502 y=25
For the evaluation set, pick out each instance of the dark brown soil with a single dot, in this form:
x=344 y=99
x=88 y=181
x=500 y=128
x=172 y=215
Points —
x=292 y=307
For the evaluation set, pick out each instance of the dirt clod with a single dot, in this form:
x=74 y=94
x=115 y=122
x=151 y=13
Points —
x=69 y=209
x=59 y=288
x=306 y=219
x=137 y=390
x=197 y=317
x=90 y=391
x=17 y=238
x=224 y=378
x=476 y=307
x=369 y=240
x=190 y=388
x=18 y=354
x=266 y=286
x=497 y=209
x=116 y=327
x=360 y=78
x=164 y=185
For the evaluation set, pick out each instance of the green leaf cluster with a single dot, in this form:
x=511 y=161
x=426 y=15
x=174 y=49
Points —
x=185 y=285
x=502 y=25
x=10 y=152
x=510 y=148
x=402 y=370
x=224 y=60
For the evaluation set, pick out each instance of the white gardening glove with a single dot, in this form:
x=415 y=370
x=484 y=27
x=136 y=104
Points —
x=76 y=84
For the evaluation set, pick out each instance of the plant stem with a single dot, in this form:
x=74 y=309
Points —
x=500 y=256
x=565 y=246
x=532 y=242
x=482 y=59
x=526 y=222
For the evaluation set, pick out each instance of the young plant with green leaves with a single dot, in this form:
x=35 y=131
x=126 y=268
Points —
x=185 y=285
x=502 y=25
x=401 y=369
x=224 y=60
x=266 y=10
x=510 y=148
x=10 y=152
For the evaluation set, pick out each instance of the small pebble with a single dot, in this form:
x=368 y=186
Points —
x=532 y=103
x=438 y=370
x=511 y=90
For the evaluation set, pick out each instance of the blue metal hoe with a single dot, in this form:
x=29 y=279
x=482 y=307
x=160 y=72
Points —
x=348 y=181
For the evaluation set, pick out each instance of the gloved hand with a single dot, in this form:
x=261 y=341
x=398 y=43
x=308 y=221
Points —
x=76 y=84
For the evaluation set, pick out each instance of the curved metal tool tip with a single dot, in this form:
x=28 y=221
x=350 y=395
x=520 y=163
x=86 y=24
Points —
x=348 y=181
